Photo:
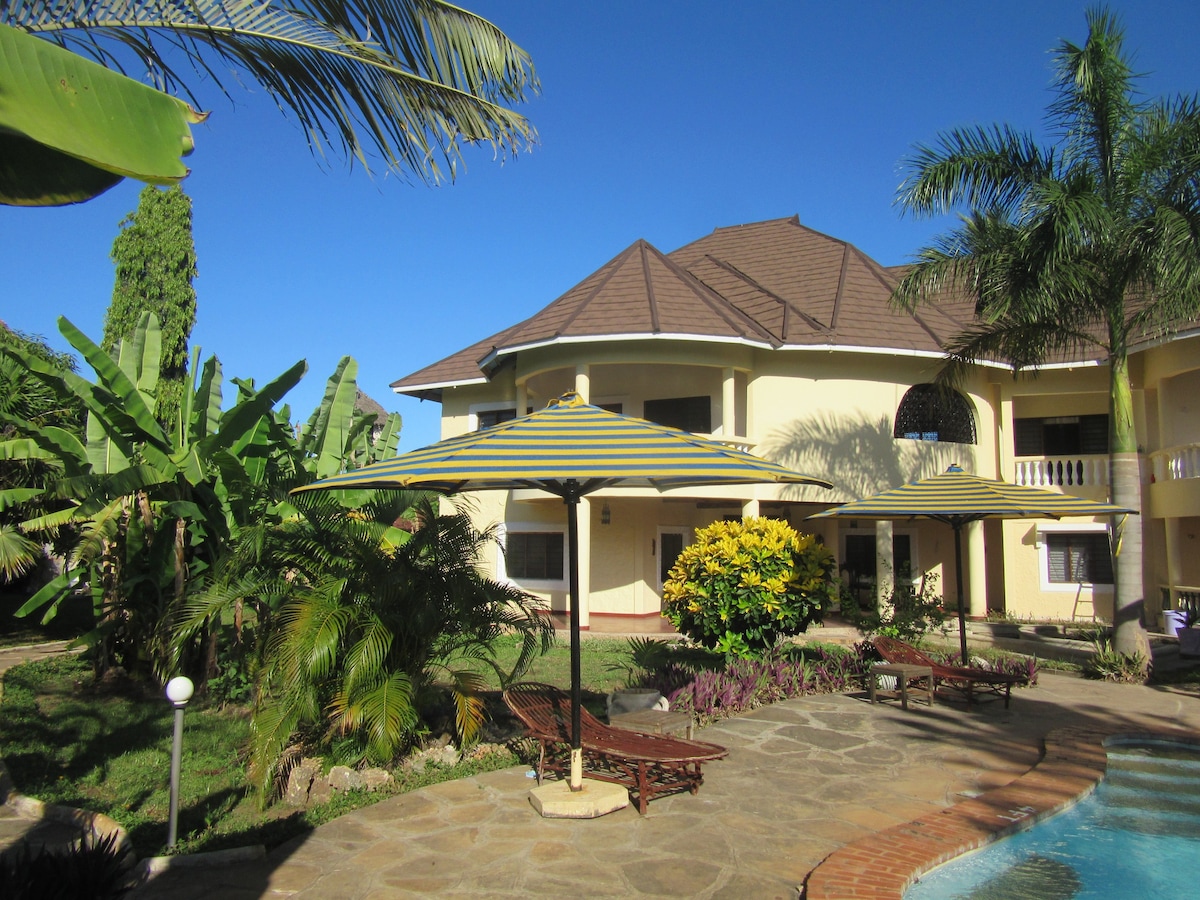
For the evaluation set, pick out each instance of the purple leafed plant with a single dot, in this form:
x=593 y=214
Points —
x=749 y=683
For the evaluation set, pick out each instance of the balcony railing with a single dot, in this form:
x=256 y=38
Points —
x=1065 y=471
x=1175 y=463
x=1180 y=596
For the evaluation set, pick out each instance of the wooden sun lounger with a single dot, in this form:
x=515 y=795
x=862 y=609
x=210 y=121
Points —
x=969 y=680
x=647 y=764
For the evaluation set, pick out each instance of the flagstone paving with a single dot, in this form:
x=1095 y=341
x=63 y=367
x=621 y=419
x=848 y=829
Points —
x=804 y=778
x=821 y=779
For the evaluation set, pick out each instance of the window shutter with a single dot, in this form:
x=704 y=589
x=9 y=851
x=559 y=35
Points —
x=1027 y=437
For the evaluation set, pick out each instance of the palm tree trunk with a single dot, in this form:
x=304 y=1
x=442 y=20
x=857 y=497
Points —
x=1129 y=634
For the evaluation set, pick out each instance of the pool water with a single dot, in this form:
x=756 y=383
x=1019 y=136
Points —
x=1137 y=835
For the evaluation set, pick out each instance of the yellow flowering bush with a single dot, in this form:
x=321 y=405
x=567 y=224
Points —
x=743 y=585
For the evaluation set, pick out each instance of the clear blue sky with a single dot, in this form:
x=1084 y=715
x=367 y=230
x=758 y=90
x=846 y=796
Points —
x=657 y=120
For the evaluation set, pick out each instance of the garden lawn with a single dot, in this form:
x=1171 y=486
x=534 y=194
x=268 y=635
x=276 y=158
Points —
x=604 y=663
x=107 y=748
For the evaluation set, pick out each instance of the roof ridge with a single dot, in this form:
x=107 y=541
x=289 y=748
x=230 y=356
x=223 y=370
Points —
x=651 y=297
x=718 y=302
x=759 y=286
x=613 y=266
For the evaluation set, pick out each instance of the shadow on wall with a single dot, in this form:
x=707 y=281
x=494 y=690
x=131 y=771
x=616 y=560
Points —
x=859 y=455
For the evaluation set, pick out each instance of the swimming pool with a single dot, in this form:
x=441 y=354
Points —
x=1137 y=835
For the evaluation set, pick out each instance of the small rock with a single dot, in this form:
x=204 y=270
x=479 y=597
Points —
x=320 y=792
x=300 y=781
x=343 y=778
x=374 y=779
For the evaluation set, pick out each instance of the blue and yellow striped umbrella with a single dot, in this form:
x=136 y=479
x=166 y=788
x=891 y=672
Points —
x=569 y=449
x=956 y=498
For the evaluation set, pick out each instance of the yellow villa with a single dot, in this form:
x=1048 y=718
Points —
x=781 y=340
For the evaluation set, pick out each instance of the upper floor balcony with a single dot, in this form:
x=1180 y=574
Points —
x=1175 y=463
x=1074 y=470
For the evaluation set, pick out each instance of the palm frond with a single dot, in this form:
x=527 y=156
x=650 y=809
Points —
x=981 y=168
x=384 y=711
x=410 y=80
x=18 y=554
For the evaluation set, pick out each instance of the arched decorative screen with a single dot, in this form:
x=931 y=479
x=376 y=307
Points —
x=929 y=412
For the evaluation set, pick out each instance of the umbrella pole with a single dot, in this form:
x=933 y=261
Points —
x=571 y=498
x=962 y=613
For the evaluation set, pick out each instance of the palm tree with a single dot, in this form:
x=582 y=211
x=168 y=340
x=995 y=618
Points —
x=409 y=80
x=1083 y=248
x=382 y=603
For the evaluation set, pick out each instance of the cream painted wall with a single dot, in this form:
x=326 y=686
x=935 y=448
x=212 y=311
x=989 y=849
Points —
x=1025 y=596
x=1180 y=406
x=831 y=414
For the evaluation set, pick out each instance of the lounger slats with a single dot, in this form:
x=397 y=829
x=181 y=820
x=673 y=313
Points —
x=969 y=680
x=648 y=765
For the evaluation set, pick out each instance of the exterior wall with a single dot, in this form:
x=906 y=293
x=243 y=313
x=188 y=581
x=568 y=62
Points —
x=831 y=414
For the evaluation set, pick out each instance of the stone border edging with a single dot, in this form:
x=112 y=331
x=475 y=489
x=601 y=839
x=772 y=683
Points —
x=882 y=866
x=152 y=866
x=98 y=824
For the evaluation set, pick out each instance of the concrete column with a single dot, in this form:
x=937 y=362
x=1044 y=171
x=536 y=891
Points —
x=729 y=403
x=522 y=398
x=750 y=508
x=583 y=382
x=976 y=562
x=585 y=561
x=1174 y=560
x=885 y=564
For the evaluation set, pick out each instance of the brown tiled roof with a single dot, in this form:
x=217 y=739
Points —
x=769 y=284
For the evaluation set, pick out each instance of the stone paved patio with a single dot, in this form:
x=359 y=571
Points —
x=804 y=779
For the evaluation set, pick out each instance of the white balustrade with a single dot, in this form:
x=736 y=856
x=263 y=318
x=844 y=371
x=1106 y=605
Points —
x=1066 y=471
x=1174 y=463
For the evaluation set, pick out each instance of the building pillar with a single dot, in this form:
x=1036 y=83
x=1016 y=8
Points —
x=885 y=565
x=522 y=398
x=976 y=593
x=583 y=382
x=1174 y=561
x=729 y=403
x=750 y=508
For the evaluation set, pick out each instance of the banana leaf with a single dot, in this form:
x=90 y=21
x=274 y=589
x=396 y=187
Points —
x=70 y=128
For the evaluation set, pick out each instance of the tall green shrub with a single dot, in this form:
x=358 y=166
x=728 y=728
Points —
x=155 y=257
x=743 y=585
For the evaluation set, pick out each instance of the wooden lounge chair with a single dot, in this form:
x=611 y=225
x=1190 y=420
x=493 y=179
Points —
x=969 y=680
x=647 y=764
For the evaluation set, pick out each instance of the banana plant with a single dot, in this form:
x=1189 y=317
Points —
x=339 y=436
x=70 y=128
x=153 y=508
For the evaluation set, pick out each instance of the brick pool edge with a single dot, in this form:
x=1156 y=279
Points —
x=882 y=866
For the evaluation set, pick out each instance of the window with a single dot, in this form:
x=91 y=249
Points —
x=1078 y=557
x=859 y=562
x=688 y=413
x=486 y=418
x=490 y=417
x=929 y=412
x=1061 y=436
x=534 y=555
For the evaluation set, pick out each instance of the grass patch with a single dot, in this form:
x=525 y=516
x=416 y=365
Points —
x=603 y=663
x=107 y=748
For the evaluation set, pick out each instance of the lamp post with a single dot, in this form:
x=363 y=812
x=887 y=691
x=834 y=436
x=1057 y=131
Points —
x=179 y=692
